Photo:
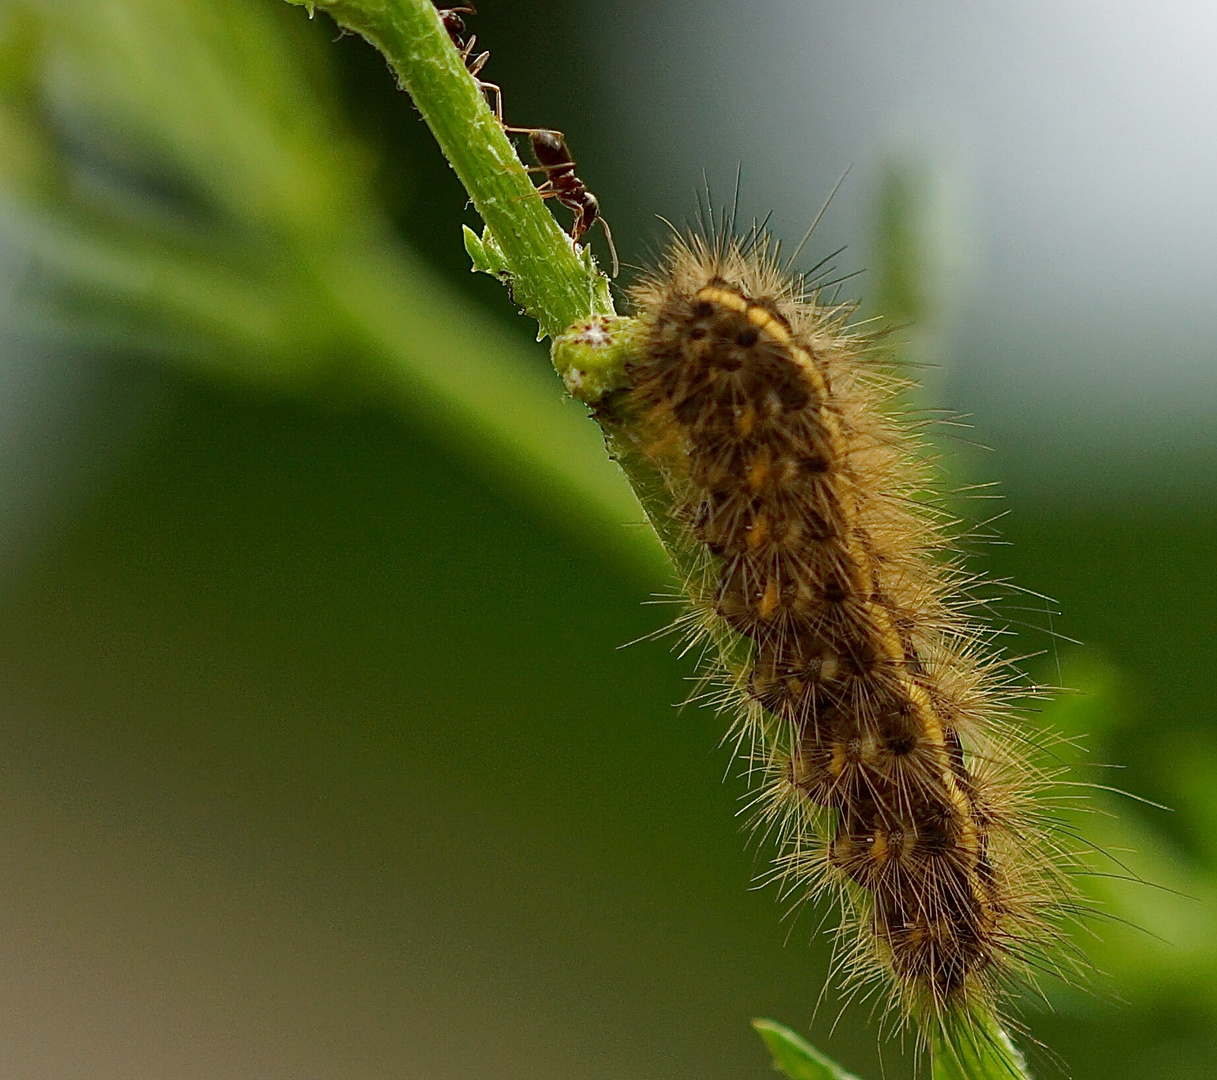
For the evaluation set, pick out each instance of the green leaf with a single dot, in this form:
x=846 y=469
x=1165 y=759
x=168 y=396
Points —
x=485 y=253
x=795 y=1056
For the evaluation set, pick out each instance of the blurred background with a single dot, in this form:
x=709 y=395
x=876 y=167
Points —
x=318 y=753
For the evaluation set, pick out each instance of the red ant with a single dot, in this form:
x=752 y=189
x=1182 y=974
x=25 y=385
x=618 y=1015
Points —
x=455 y=27
x=548 y=147
x=555 y=160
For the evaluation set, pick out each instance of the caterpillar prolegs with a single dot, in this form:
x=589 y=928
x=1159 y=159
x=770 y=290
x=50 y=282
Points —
x=877 y=712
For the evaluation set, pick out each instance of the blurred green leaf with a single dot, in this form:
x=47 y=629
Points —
x=1153 y=927
x=795 y=1056
x=907 y=293
x=179 y=181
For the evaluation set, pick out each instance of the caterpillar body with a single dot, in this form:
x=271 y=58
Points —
x=875 y=709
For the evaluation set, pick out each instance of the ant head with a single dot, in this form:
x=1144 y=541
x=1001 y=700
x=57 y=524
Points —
x=453 y=23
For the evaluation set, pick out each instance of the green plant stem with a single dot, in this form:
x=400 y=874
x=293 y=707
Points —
x=975 y=1047
x=549 y=280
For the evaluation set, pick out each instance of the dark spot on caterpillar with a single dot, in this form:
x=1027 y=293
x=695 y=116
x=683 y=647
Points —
x=609 y=409
x=749 y=337
x=793 y=394
x=984 y=871
x=726 y=361
x=955 y=753
x=902 y=744
x=834 y=590
x=703 y=309
x=688 y=410
x=863 y=656
x=933 y=838
x=948 y=971
x=815 y=527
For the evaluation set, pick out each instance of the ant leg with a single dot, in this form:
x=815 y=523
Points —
x=532 y=131
x=543 y=191
x=578 y=228
x=492 y=90
x=478 y=62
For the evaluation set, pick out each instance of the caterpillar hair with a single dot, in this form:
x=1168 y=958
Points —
x=876 y=713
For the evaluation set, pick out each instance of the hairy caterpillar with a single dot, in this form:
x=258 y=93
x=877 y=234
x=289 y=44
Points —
x=892 y=768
